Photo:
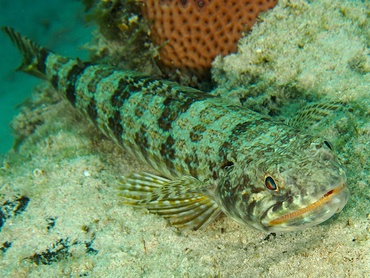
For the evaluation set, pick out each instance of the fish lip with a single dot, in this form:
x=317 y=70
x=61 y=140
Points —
x=335 y=196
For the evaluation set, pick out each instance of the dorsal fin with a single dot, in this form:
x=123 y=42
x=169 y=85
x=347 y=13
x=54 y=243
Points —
x=313 y=113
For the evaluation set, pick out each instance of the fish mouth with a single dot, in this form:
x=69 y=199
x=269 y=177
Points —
x=330 y=203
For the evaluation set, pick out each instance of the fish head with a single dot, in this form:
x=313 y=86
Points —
x=288 y=186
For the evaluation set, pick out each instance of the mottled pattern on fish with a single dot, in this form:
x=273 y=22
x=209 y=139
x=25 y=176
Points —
x=258 y=171
x=176 y=130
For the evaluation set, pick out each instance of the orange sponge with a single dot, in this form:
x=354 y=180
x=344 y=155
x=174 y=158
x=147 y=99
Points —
x=191 y=33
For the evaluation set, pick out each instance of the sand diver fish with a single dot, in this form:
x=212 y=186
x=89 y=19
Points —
x=211 y=155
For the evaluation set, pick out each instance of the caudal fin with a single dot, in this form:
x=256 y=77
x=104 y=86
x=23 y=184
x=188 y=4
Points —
x=33 y=55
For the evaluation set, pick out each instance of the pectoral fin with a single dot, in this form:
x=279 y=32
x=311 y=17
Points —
x=179 y=201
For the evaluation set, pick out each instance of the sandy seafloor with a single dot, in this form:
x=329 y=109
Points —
x=59 y=206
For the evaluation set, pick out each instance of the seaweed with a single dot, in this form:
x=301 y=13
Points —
x=51 y=223
x=12 y=208
x=59 y=251
x=50 y=256
x=5 y=246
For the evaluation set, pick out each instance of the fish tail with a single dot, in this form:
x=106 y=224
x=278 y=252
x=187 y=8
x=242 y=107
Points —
x=33 y=55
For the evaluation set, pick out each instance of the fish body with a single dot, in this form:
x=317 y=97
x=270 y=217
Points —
x=211 y=155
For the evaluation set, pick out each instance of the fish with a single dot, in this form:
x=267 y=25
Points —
x=208 y=155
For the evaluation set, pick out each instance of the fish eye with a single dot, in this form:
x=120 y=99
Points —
x=270 y=183
x=329 y=145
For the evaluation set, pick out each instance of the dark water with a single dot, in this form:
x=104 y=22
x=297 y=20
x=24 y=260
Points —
x=58 y=25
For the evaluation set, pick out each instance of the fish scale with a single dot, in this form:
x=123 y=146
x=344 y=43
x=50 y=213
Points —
x=211 y=154
x=154 y=120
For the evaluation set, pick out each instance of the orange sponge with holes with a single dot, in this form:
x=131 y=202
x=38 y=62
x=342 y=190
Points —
x=191 y=33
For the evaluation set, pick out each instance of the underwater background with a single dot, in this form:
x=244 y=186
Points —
x=60 y=214
x=58 y=25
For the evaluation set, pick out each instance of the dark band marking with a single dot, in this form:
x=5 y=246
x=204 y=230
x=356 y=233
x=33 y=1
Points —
x=41 y=59
x=241 y=128
x=141 y=140
x=173 y=107
x=141 y=106
x=204 y=115
x=54 y=80
x=167 y=151
x=91 y=110
x=196 y=133
x=192 y=161
x=223 y=153
x=72 y=77
x=249 y=130
x=194 y=137
x=114 y=123
x=239 y=134
x=91 y=86
x=212 y=168
x=136 y=78
x=146 y=82
x=134 y=88
x=120 y=94
x=157 y=89
x=99 y=74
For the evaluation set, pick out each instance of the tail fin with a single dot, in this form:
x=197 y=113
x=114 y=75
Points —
x=34 y=56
